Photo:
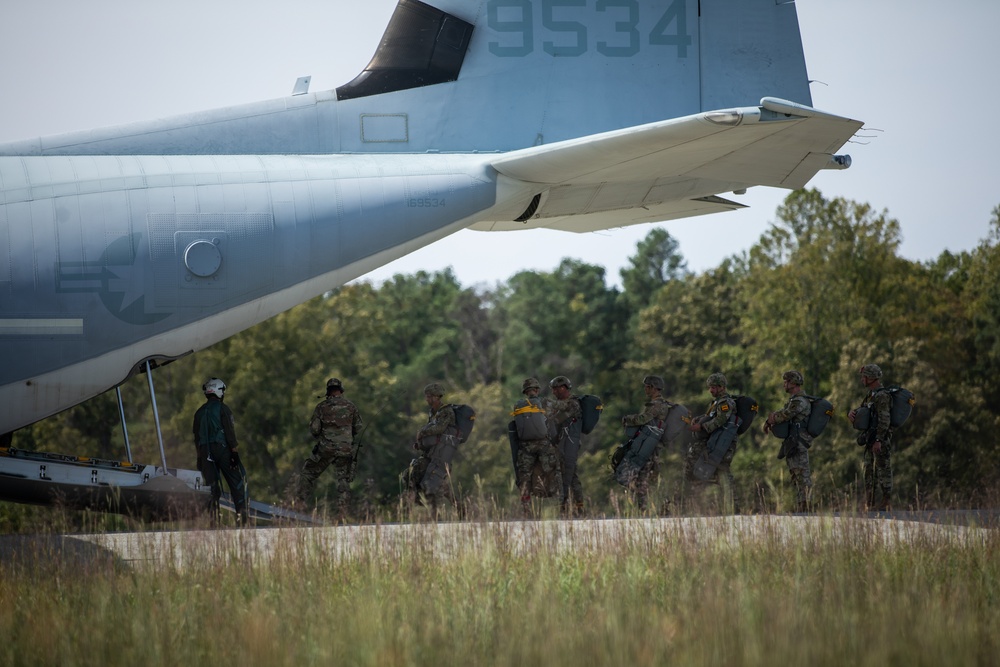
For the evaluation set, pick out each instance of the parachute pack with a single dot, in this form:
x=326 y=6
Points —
x=899 y=409
x=465 y=419
x=529 y=420
x=820 y=413
x=590 y=407
x=746 y=410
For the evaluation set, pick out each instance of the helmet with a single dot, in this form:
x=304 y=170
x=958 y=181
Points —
x=334 y=383
x=434 y=389
x=871 y=371
x=530 y=383
x=214 y=387
x=794 y=377
x=654 y=381
x=560 y=381
x=717 y=379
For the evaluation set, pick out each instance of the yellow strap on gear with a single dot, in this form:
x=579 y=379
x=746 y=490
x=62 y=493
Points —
x=526 y=410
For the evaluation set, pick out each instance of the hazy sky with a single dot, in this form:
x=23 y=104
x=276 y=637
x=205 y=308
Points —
x=920 y=72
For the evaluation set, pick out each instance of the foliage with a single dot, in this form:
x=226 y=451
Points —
x=823 y=291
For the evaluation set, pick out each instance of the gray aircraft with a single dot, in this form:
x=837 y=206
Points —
x=126 y=247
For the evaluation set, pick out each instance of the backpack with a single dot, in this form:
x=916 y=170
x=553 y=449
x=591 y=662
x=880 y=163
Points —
x=900 y=409
x=529 y=420
x=590 y=408
x=820 y=413
x=746 y=410
x=465 y=419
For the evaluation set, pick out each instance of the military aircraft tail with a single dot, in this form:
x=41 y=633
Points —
x=500 y=75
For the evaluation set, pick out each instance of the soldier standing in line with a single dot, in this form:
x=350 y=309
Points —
x=214 y=431
x=721 y=413
x=533 y=445
x=335 y=424
x=564 y=415
x=430 y=473
x=795 y=447
x=877 y=440
x=654 y=413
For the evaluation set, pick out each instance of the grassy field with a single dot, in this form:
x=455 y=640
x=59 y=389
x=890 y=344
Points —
x=641 y=593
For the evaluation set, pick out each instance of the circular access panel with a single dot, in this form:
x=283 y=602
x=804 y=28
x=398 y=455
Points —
x=202 y=258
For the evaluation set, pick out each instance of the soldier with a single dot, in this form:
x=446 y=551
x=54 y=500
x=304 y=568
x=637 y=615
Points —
x=335 y=425
x=215 y=440
x=704 y=464
x=437 y=440
x=877 y=440
x=533 y=445
x=655 y=415
x=795 y=447
x=564 y=414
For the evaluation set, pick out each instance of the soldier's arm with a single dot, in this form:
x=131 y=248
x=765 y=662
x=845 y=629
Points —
x=882 y=404
x=316 y=423
x=723 y=412
x=229 y=427
x=357 y=424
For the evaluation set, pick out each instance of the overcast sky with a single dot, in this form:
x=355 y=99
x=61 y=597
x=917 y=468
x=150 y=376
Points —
x=920 y=72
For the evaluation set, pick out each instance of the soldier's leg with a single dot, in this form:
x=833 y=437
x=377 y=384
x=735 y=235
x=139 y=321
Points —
x=883 y=471
x=312 y=468
x=868 y=474
x=693 y=487
x=342 y=465
x=526 y=455
x=731 y=494
x=798 y=467
x=236 y=479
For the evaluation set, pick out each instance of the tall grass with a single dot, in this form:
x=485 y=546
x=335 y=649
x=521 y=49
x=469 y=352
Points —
x=636 y=593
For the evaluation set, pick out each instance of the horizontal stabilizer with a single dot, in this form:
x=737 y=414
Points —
x=674 y=168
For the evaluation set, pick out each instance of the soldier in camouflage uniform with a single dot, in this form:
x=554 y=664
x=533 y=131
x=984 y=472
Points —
x=655 y=411
x=531 y=450
x=795 y=448
x=335 y=425
x=719 y=412
x=439 y=433
x=564 y=415
x=877 y=440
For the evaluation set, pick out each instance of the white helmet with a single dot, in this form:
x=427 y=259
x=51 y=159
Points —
x=214 y=387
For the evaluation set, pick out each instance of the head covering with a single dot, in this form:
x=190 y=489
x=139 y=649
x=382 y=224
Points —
x=560 y=381
x=434 y=389
x=214 y=387
x=794 y=377
x=871 y=371
x=334 y=384
x=717 y=379
x=530 y=383
x=654 y=381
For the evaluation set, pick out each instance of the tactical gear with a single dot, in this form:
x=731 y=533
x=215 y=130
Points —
x=899 y=410
x=794 y=377
x=639 y=448
x=434 y=389
x=530 y=383
x=560 y=381
x=334 y=384
x=214 y=387
x=654 y=381
x=465 y=419
x=820 y=413
x=529 y=419
x=716 y=380
x=746 y=410
x=590 y=409
x=719 y=443
x=871 y=371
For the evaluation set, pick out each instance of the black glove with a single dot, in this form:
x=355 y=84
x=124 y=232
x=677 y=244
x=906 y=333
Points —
x=234 y=459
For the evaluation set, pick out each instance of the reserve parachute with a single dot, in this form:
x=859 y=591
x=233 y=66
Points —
x=529 y=420
x=820 y=413
x=899 y=409
x=746 y=410
x=590 y=409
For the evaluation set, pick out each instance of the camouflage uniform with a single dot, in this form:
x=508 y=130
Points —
x=531 y=449
x=719 y=412
x=335 y=424
x=564 y=417
x=878 y=467
x=795 y=448
x=655 y=411
x=441 y=430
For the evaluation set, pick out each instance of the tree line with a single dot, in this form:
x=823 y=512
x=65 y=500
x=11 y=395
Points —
x=823 y=291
